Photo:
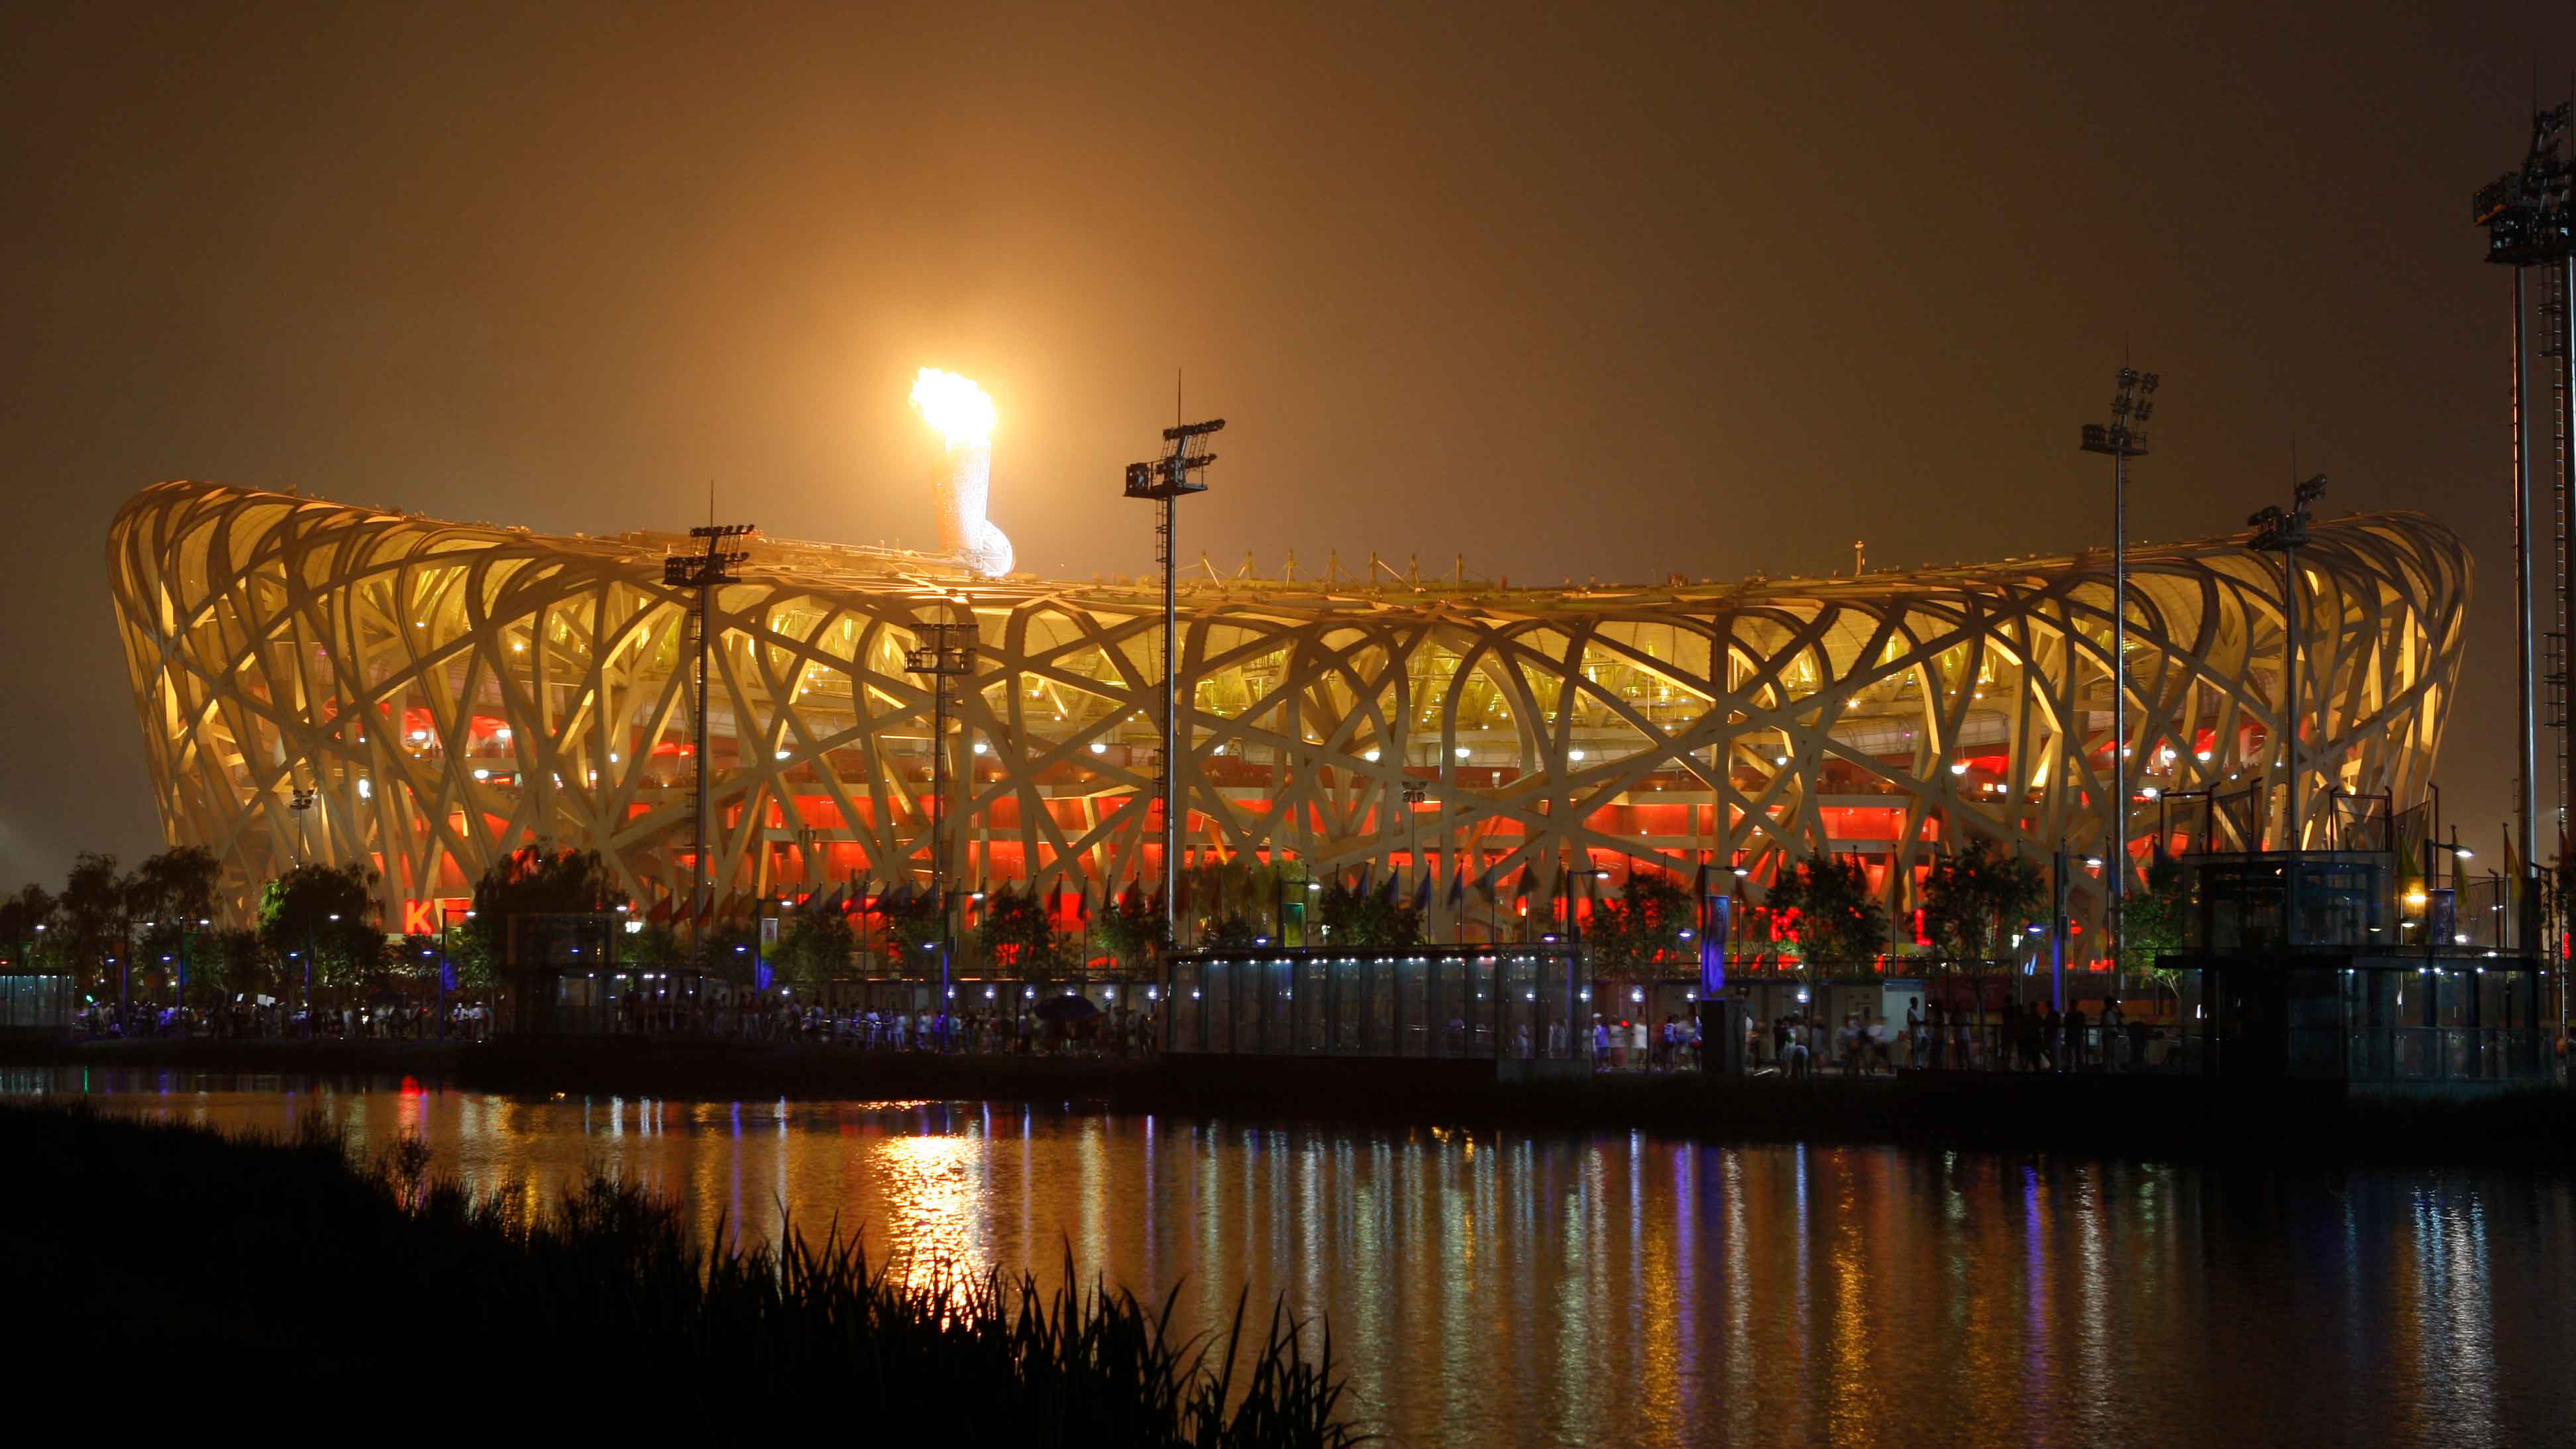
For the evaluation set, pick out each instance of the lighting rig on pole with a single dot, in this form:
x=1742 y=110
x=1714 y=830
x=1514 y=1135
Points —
x=2123 y=438
x=2531 y=223
x=2281 y=532
x=1166 y=480
x=946 y=651
x=703 y=571
x=301 y=801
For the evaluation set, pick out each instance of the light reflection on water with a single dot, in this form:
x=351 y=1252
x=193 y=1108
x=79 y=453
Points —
x=1626 y=1288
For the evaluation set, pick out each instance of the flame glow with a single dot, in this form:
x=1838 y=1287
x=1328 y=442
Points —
x=954 y=405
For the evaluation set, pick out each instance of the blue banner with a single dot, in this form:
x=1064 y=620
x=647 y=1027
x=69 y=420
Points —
x=1713 y=913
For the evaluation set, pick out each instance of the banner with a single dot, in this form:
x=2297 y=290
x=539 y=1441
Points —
x=1713 y=918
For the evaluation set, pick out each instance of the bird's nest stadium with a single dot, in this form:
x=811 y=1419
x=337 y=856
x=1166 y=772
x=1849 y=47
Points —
x=322 y=681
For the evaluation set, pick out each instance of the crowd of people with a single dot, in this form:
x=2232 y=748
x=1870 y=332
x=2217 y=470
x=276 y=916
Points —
x=1671 y=1045
x=779 y=1016
x=250 y=1018
x=2020 y=1037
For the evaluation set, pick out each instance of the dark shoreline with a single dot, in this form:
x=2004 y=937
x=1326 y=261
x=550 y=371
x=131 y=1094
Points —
x=179 y=1260
x=2139 y=1117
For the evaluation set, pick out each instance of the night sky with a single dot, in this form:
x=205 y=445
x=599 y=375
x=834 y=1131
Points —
x=1573 y=293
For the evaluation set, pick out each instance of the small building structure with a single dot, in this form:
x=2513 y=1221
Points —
x=2313 y=965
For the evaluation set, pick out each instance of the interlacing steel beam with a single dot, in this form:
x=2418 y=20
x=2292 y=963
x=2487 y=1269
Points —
x=449 y=692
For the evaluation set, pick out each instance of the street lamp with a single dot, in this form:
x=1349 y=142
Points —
x=2281 y=532
x=2123 y=438
x=946 y=651
x=701 y=572
x=1165 y=480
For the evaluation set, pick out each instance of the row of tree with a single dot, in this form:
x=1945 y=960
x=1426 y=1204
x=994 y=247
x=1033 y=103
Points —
x=112 y=927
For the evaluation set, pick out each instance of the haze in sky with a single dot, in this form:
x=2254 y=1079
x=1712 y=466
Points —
x=1572 y=290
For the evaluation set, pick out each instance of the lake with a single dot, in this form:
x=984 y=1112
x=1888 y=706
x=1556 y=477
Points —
x=1516 y=1287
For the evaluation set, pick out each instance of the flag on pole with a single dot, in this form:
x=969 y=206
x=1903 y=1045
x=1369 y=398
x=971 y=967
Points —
x=1422 y=890
x=1458 y=887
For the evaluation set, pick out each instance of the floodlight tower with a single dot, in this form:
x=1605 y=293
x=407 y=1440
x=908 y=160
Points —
x=2530 y=222
x=1165 y=480
x=946 y=652
x=2123 y=438
x=703 y=571
x=2276 y=531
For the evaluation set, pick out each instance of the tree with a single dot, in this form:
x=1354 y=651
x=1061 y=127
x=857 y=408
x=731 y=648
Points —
x=92 y=914
x=28 y=922
x=655 y=948
x=530 y=881
x=1231 y=933
x=1840 y=920
x=1016 y=935
x=1368 y=918
x=1639 y=931
x=911 y=924
x=1974 y=901
x=228 y=962
x=174 y=888
x=326 y=912
x=1242 y=889
x=814 y=947
x=728 y=946
x=415 y=957
x=2155 y=922
x=1132 y=928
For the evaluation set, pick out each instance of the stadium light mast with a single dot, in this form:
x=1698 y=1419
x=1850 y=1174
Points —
x=946 y=652
x=2123 y=438
x=2530 y=223
x=1165 y=481
x=702 y=572
x=2276 y=531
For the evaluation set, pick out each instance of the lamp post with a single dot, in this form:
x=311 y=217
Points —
x=2281 y=532
x=2529 y=214
x=702 y=572
x=1165 y=481
x=2123 y=438
x=946 y=652
x=302 y=801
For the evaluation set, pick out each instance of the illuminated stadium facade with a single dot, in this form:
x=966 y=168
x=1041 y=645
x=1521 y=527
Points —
x=446 y=692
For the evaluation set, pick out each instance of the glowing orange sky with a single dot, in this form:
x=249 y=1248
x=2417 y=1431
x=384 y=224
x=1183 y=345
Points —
x=1573 y=293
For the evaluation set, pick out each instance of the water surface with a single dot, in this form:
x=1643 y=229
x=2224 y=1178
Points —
x=1627 y=1288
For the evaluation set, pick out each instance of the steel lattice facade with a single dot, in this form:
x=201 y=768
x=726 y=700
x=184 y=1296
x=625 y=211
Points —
x=447 y=692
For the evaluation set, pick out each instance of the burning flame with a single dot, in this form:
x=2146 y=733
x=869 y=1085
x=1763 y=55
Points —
x=954 y=405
